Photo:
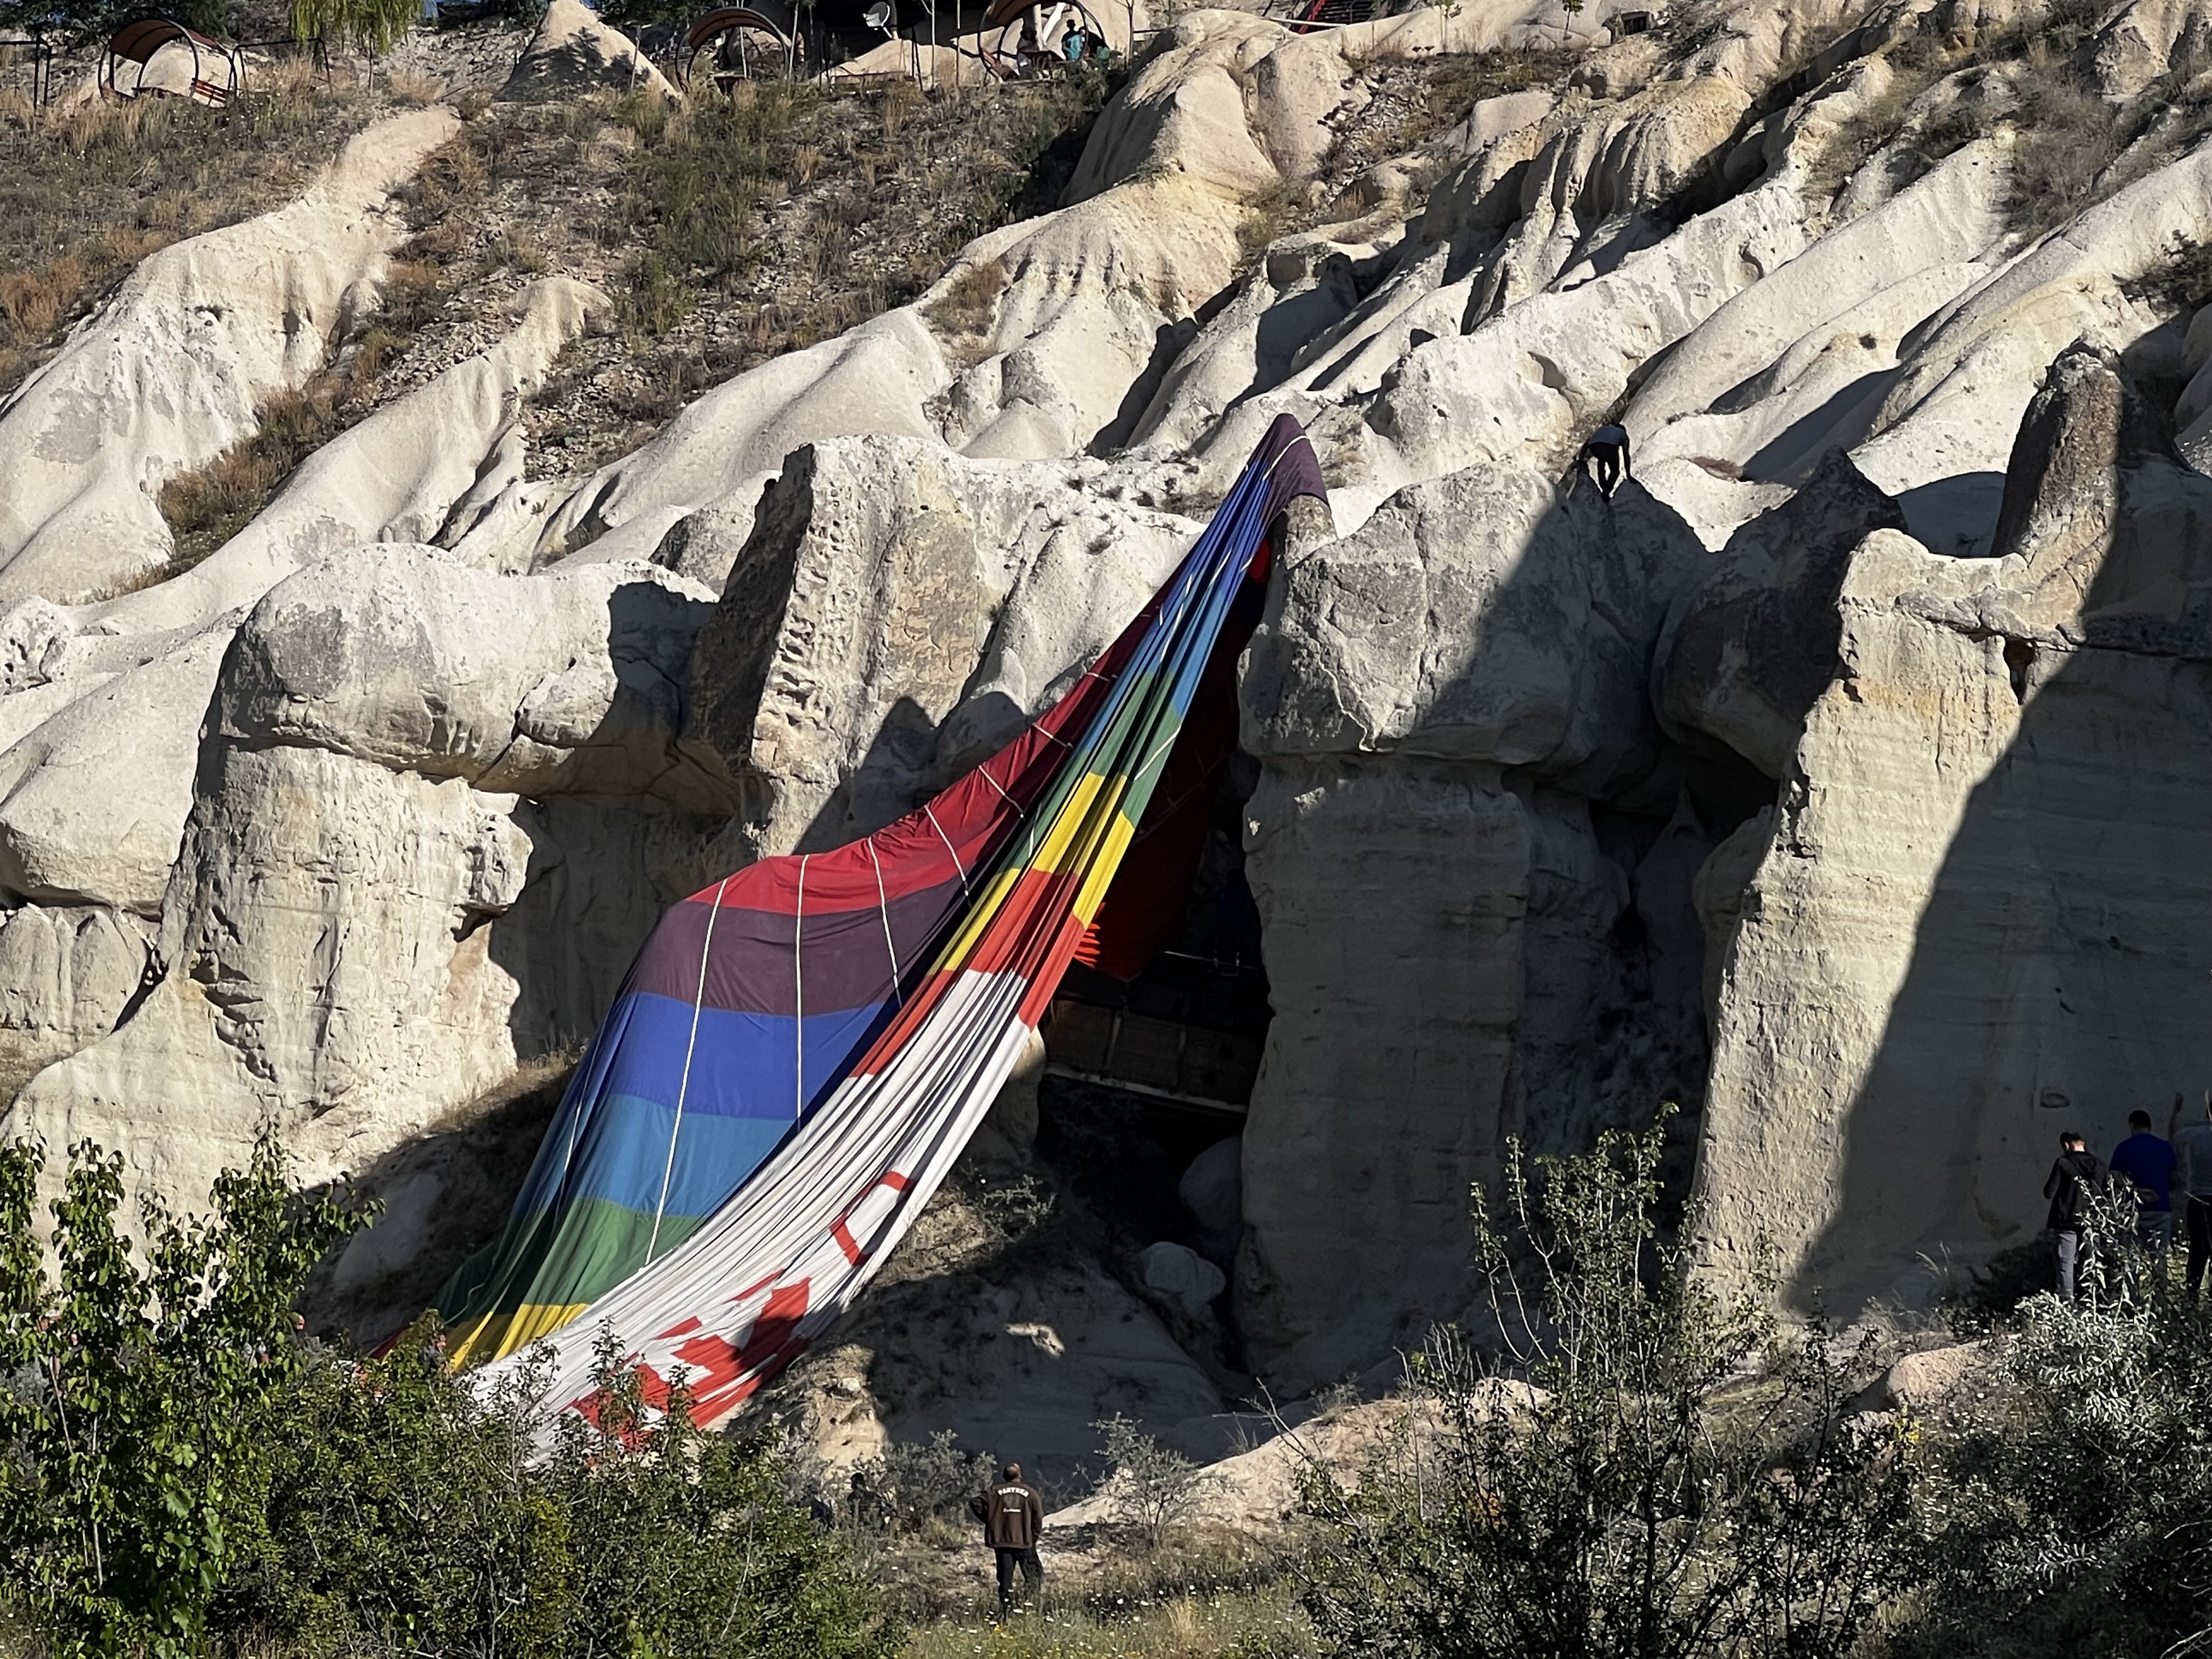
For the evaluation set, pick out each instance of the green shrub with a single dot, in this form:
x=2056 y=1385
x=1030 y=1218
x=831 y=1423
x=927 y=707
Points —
x=922 y=1481
x=1152 y=1483
x=140 y=1391
x=374 y=26
x=182 y=1470
x=1645 y=1468
x=2066 y=1510
x=416 y=1513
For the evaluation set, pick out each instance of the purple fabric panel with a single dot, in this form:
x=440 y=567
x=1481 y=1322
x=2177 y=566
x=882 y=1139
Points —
x=1297 y=468
x=845 y=958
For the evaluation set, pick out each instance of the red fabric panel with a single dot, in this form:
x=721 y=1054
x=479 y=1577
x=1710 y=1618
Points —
x=974 y=813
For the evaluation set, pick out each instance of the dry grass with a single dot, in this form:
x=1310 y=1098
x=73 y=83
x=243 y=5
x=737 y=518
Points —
x=206 y=508
x=729 y=233
x=87 y=192
x=2068 y=137
x=1409 y=105
x=1455 y=84
x=1882 y=121
x=2072 y=148
x=968 y=301
x=790 y=214
x=1155 y=1610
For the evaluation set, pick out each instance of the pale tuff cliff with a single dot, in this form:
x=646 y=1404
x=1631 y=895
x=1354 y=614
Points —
x=1837 y=778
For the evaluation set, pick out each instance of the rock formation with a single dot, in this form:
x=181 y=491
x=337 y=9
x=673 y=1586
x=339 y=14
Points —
x=573 y=51
x=1832 y=780
x=171 y=372
x=1972 y=926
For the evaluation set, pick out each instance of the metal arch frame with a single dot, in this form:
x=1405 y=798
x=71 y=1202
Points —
x=155 y=32
x=710 y=29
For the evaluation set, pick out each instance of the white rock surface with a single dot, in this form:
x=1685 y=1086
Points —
x=1548 y=791
x=896 y=614
x=359 y=823
x=573 y=53
x=1436 y=906
x=169 y=372
x=2022 y=713
x=1182 y=1277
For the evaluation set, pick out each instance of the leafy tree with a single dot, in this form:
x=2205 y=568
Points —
x=62 y=22
x=373 y=26
x=139 y=1388
x=179 y=1467
x=1642 y=1468
x=634 y=14
x=418 y=1512
x=401 y=1517
x=695 y=1550
x=72 y=23
x=914 y=1483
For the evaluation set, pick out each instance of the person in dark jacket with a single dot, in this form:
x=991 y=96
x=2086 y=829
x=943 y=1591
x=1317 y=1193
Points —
x=2077 y=1174
x=1606 y=454
x=1012 y=1520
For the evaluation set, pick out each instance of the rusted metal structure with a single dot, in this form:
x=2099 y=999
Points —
x=769 y=38
x=744 y=43
x=1188 y=1032
x=41 y=56
x=1304 y=16
x=218 y=71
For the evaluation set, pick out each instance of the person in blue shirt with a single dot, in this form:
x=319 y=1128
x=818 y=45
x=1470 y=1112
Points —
x=2146 y=1161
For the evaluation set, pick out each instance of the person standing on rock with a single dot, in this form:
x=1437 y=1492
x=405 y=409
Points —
x=1013 y=1519
x=1607 y=452
x=2192 y=1149
x=2077 y=1174
x=2147 y=1161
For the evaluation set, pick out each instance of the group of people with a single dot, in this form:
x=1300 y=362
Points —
x=1077 y=45
x=2153 y=1168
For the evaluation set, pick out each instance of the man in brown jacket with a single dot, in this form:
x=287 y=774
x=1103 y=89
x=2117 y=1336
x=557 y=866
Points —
x=1012 y=1518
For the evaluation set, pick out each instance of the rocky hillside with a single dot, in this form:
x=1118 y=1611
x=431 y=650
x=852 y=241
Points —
x=1833 y=779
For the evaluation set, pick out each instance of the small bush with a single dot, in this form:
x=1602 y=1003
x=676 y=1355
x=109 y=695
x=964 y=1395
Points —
x=136 y=1444
x=2067 y=137
x=1645 y=1468
x=1990 y=1295
x=1151 y=1481
x=415 y=1514
x=932 y=1480
x=2066 y=1511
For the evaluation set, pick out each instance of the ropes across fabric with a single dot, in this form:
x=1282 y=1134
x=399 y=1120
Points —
x=802 y=1050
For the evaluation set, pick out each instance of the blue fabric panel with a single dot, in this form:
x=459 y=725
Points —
x=625 y=1156
x=618 y=1106
x=742 y=1065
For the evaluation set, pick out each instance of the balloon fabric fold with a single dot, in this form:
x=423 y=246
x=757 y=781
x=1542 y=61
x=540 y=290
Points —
x=801 y=1050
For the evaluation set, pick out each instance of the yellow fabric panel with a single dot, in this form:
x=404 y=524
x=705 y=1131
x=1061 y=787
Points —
x=962 y=944
x=497 y=1334
x=1103 y=866
x=1076 y=816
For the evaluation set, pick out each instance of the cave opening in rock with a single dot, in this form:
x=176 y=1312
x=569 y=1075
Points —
x=1147 y=1080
